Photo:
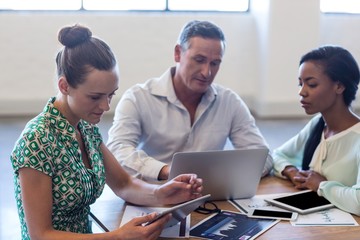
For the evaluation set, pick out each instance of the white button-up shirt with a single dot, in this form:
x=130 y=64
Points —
x=151 y=124
x=337 y=158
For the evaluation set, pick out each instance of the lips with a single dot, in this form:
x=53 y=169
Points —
x=304 y=104
x=202 y=80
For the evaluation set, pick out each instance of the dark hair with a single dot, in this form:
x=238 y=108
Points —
x=312 y=142
x=340 y=66
x=81 y=52
x=202 y=29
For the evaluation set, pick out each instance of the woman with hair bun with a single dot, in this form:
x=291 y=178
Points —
x=324 y=155
x=61 y=163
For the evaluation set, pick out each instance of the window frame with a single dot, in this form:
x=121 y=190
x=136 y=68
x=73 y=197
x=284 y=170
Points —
x=83 y=9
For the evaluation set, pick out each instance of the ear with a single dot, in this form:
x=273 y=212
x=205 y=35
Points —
x=339 y=88
x=63 y=85
x=177 y=53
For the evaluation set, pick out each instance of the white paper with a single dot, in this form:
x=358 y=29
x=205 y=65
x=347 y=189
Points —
x=244 y=205
x=328 y=217
x=170 y=232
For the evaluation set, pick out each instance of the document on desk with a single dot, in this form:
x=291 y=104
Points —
x=231 y=226
x=180 y=230
x=329 y=217
x=244 y=205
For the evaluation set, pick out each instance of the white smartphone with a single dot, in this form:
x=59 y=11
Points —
x=272 y=214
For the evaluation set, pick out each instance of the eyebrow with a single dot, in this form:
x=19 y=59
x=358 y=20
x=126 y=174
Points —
x=100 y=93
x=306 y=79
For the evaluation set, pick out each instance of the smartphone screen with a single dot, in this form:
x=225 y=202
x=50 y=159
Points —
x=260 y=213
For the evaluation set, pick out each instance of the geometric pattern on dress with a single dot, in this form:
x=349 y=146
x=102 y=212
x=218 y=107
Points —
x=48 y=144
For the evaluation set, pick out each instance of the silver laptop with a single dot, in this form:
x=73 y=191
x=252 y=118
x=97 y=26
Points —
x=226 y=174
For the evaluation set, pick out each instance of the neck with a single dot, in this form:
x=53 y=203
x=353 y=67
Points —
x=62 y=105
x=342 y=120
x=186 y=96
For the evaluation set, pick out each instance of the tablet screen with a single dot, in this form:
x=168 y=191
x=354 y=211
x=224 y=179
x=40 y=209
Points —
x=304 y=200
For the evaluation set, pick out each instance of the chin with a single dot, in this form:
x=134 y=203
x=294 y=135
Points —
x=202 y=89
x=93 y=120
x=310 y=112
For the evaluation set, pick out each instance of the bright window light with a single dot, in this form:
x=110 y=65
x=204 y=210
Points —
x=124 y=4
x=127 y=5
x=40 y=4
x=209 y=5
x=337 y=6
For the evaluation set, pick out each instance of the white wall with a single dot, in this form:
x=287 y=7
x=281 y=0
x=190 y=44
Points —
x=260 y=63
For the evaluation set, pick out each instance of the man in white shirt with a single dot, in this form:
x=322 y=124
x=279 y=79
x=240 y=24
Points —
x=183 y=110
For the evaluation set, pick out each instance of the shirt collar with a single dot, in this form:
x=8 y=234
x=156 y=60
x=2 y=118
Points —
x=164 y=87
x=61 y=124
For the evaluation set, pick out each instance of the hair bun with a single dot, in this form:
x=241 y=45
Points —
x=74 y=35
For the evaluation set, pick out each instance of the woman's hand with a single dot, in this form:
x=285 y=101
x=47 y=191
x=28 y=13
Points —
x=136 y=228
x=308 y=180
x=179 y=189
x=291 y=173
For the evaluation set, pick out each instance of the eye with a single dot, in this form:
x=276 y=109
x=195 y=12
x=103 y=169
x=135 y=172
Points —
x=300 y=83
x=95 y=98
x=312 y=85
x=215 y=63
x=199 y=59
x=111 y=95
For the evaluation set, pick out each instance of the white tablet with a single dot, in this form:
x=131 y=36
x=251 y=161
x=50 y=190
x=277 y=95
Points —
x=302 y=202
x=179 y=212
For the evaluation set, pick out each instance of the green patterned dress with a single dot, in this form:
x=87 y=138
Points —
x=48 y=144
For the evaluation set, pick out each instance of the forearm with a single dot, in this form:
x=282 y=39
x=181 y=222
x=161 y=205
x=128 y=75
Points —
x=268 y=166
x=129 y=188
x=283 y=160
x=140 y=192
x=137 y=162
x=61 y=235
x=343 y=197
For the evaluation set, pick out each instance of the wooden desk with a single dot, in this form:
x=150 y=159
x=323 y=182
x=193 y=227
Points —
x=108 y=209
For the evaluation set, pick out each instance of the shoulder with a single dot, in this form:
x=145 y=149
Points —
x=36 y=128
x=34 y=147
x=142 y=88
x=153 y=85
x=146 y=93
x=356 y=128
x=226 y=97
x=225 y=92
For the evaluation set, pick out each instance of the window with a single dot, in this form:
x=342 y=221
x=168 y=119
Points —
x=209 y=5
x=40 y=4
x=128 y=5
x=124 y=5
x=337 y=6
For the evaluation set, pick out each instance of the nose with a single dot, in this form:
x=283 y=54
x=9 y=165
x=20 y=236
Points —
x=105 y=104
x=206 y=70
x=302 y=91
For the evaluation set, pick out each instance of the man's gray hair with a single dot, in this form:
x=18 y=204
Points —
x=204 y=29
